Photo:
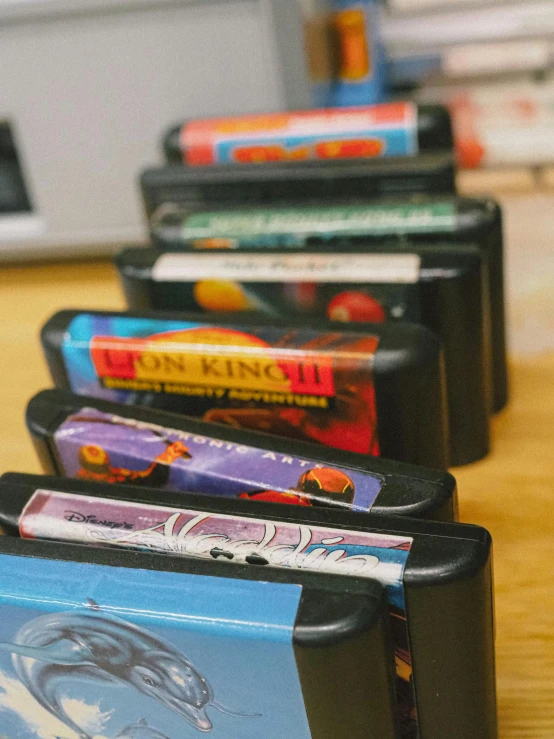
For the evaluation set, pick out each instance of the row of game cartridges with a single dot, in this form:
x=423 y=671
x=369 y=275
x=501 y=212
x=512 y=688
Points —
x=156 y=555
x=245 y=526
x=309 y=241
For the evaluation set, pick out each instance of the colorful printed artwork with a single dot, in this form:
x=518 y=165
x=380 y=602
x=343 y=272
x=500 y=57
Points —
x=388 y=129
x=352 y=288
x=182 y=532
x=303 y=384
x=296 y=227
x=93 y=445
x=117 y=667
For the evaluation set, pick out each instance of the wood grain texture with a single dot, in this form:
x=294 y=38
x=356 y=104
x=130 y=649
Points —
x=511 y=492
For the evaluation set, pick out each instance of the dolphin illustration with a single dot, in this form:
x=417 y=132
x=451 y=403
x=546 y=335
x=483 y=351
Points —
x=140 y=730
x=94 y=646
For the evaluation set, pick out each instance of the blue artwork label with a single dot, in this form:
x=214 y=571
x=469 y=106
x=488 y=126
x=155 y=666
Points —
x=84 y=655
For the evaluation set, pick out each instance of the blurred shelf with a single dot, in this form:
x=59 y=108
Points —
x=529 y=19
x=420 y=7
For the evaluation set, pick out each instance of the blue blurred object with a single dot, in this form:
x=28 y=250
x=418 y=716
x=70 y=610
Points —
x=362 y=74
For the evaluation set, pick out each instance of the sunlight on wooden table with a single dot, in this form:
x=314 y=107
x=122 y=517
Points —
x=511 y=492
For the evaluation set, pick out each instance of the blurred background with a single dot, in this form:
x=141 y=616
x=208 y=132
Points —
x=88 y=86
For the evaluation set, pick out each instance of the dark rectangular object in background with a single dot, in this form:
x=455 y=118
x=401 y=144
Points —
x=14 y=196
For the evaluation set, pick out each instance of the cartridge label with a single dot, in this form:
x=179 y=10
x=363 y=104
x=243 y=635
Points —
x=290 y=268
x=294 y=227
x=92 y=445
x=351 y=289
x=239 y=539
x=96 y=652
x=388 y=129
x=304 y=384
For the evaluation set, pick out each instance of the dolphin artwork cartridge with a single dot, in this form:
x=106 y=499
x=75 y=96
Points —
x=98 y=440
x=379 y=391
x=97 y=643
x=442 y=286
x=398 y=129
x=350 y=226
x=172 y=185
x=437 y=575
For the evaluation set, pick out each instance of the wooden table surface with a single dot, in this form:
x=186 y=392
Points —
x=511 y=492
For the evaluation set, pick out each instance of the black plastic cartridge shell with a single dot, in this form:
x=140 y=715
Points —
x=408 y=375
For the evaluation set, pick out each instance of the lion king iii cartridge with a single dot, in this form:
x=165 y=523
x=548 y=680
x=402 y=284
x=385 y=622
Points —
x=124 y=644
x=351 y=225
x=441 y=286
x=438 y=575
x=399 y=129
x=92 y=439
x=379 y=391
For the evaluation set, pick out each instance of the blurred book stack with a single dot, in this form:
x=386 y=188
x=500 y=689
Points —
x=490 y=62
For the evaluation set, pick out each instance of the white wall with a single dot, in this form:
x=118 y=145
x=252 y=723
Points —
x=89 y=96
